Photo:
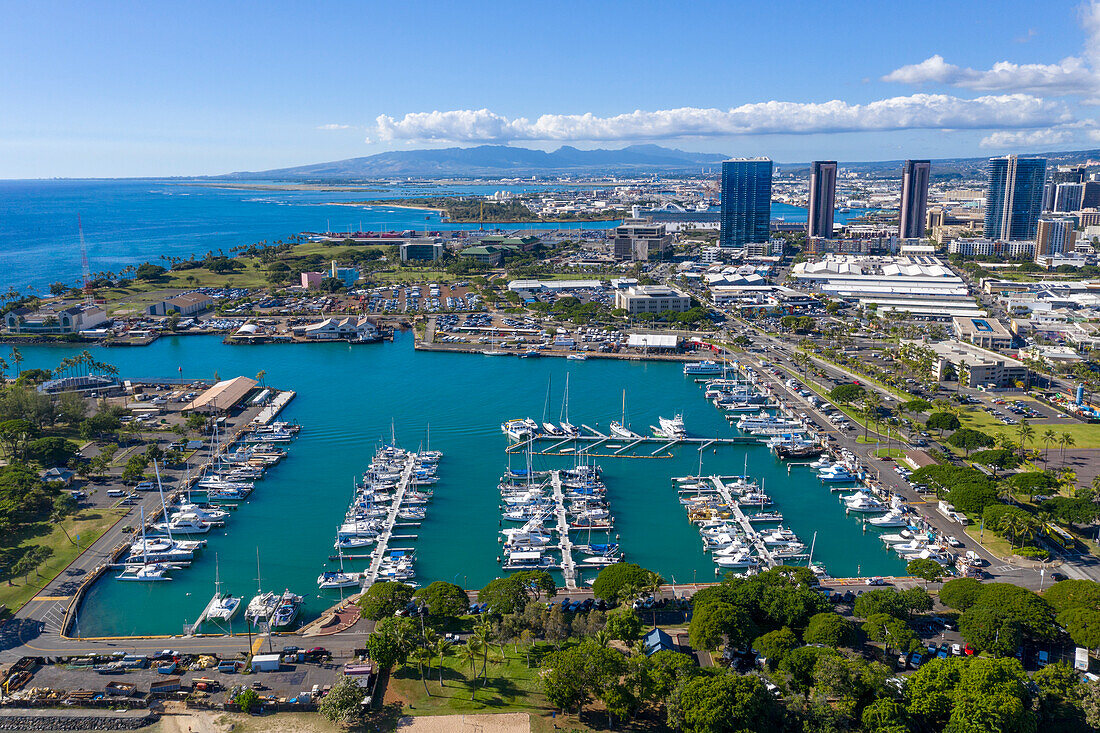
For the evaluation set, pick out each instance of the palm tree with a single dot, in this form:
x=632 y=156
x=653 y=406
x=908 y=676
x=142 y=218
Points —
x=1046 y=439
x=871 y=404
x=1025 y=433
x=652 y=587
x=1066 y=440
x=441 y=649
x=260 y=377
x=423 y=658
x=17 y=360
x=470 y=652
x=484 y=635
x=602 y=638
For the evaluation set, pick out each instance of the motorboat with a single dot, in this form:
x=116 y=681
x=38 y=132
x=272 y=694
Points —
x=837 y=472
x=603 y=560
x=184 y=524
x=740 y=560
x=551 y=429
x=206 y=514
x=864 y=502
x=894 y=518
x=769 y=422
x=703 y=368
x=577 y=357
x=673 y=427
x=517 y=429
x=286 y=611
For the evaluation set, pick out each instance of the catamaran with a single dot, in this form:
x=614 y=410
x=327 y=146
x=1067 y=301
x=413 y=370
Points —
x=223 y=606
x=146 y=571
x=184 y=524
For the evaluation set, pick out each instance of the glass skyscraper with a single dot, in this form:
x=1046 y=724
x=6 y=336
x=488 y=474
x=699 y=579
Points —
x=746 y=201
x=1015 y=197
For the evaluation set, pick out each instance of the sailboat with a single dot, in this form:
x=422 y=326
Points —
x=493 y=350
x=619 y=429
x=146 y=570
x=223 y=606
x=337 y=579
x=548 y=427
x=563 y=419
x=262 y=605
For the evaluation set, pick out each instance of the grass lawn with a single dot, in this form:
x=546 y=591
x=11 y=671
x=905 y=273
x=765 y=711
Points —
x=1084 y=434
x=890 y=453
x=89 y=524
x=510 y=686
x=991 y=541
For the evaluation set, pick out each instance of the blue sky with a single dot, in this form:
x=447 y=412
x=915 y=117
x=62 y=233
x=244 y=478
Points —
x=191 y=88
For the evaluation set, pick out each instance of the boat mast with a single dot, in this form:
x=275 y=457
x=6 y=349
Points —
x=144 y=543
x=813 y=542
x=259 y=590
x=163 y=508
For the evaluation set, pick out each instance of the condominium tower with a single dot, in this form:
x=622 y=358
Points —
x=1014 y=199
x=746 y=201
x=914 y=198
x=822 y=198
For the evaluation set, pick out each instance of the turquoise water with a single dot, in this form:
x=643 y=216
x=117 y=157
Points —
x=346 y=400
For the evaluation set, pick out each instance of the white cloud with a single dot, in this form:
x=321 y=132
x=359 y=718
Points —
x=1072 y=75
x=333 y=126
x=1004 y=139
x=917 y=111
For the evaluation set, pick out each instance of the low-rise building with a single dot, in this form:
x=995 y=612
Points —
x=351 y=328
x=55 y=321
x=425 y=250
x=981 y=247
x=976 y=367
x=490 y=254
x=312 y=280
x=651 y=299
x=187 y=304
x=988 y=333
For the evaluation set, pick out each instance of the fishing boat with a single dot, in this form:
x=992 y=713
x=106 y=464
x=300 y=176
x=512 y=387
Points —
x=741 y=560
x=577 y=357
x=518 y=429
x=864 y=503
x=798 y=449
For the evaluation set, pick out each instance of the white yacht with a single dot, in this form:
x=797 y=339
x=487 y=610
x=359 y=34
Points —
x=148 y=572
x=223 y=606
x=673 y=427
x=894 y=518
x=337 y=579
x=184 y=524
x=517 y=429
x=864 y=502
x=619 y=431
x=741 y=560
x=705 y=367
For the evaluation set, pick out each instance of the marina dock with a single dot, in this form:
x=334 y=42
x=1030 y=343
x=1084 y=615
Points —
x=371 y=574
x=762 y=550
x=566 y=445
x=568 y=566
x=272 y=410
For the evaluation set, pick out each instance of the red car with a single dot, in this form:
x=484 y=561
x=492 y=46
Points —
x=969 y=650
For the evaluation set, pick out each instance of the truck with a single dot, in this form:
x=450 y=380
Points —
x=1081 y=659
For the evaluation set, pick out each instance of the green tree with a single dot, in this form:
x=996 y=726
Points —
x=881 y=600
x=717 y=623
x=1083 y=626
x=928 y=570
x=384 y=649
x=248 y=698
x=613 y=580
x=829 y=629
x=343 y=703
x=722 y=703
x=625 y=626
x=970 y=440
x=1067 y=594
x=941 y=421
x=52 y=451
x=775 y=645
x=443 y=599
x=885 y=716
x=383 y=600
x=572 y=677
x=892 y=632
x=960 y=593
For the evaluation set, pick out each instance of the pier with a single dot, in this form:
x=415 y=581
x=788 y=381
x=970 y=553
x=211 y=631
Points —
x=568 y=566
x=272 y=410
x=762 y=549
x=371 y=574
x=589 y=442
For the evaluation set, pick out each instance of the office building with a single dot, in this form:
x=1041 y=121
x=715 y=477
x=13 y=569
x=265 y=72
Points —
x=425 y=249
x=1014 y=198
x=975 y=367
x=1069 y=197
x=651 y=299
x=638 y=240
x=914 y=198
x=1061 y=174
x=822 y=198
x=746 y=201
x=1055 y=236
x=989 y=333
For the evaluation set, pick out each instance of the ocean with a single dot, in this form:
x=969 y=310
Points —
x=127 y=222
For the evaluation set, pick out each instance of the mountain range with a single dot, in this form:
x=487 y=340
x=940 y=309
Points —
x=504 y=161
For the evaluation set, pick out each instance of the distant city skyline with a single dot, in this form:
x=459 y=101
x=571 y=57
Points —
x=209 y=88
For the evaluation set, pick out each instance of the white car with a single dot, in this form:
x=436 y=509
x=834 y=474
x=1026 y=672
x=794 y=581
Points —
x=953 y=542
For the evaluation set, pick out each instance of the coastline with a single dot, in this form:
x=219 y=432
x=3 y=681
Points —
x=449 y=220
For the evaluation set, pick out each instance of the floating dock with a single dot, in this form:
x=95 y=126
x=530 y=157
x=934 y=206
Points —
x=568 y=566
x=371 y=574
x=588 y=442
